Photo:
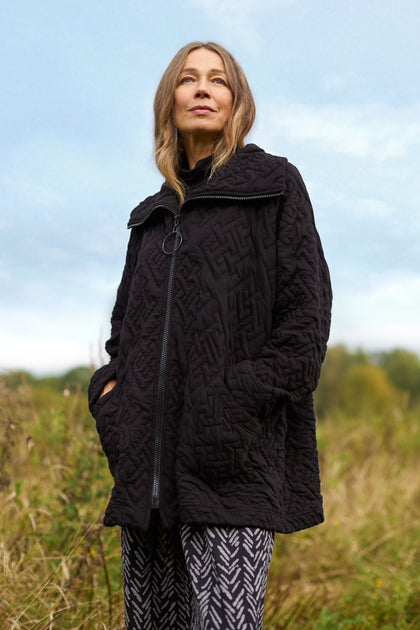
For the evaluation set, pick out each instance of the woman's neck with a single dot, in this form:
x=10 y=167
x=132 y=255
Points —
x=197 y=148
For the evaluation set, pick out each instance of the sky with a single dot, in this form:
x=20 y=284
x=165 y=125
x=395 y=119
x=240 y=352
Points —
x=337 y=91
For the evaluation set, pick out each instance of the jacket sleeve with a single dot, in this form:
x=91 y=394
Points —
x=289 y=364
x=109 y=371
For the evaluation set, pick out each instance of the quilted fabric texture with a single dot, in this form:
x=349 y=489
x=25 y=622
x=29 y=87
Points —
x=216 y=349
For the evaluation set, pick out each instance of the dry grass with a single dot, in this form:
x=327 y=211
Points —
x=360 y=569
x=59 y=568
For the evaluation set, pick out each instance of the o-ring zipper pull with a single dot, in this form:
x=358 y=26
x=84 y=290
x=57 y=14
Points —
x=177 y=239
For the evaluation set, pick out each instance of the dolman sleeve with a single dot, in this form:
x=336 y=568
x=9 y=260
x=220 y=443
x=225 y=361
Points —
x=289 y=364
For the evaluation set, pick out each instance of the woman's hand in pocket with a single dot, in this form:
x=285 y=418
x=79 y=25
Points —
x=110 y=385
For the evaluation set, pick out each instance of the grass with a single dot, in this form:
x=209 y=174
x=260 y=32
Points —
x=59 y=567
x=361 y=568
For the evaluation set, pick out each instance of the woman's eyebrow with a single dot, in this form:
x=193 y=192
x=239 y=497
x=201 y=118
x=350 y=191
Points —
x=211 y=71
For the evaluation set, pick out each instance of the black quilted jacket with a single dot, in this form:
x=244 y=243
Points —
x=218 y=335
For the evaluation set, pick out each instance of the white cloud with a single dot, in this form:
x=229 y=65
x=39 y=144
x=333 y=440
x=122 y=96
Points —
x=47 y=355
x=30 y=193
x=49 y=342
x=380 y=315
x=237 y=17
x=375 y=131
x=354 y=206
x=334 y=83
x=222 y=9
x=372 y=208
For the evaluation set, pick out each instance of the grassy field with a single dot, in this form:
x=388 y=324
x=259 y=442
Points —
x=59 y=568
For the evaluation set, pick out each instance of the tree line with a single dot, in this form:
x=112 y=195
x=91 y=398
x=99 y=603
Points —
x=351 y=383
x=358 y=382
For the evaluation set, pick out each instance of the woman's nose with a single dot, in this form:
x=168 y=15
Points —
x=202 y=88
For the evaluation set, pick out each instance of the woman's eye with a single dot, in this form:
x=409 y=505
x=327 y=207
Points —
x=219 y=80
x=185 y=80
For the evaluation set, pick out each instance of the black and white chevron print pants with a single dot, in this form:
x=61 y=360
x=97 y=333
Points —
x=195 y=577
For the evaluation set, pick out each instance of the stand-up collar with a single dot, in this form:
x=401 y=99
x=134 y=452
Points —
x=250 y=172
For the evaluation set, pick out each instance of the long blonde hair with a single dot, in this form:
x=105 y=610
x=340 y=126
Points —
x=168 y=145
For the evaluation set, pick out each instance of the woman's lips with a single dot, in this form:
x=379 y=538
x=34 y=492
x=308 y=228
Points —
x=201 y=110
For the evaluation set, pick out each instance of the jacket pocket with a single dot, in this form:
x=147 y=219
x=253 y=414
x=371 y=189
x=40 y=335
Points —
x=106 y=412
x=224 y=432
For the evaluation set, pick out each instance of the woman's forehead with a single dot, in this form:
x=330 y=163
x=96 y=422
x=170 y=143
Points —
x=204 y=57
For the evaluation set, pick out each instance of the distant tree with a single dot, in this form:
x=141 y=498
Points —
x=48 y=382
x=337 y=362
x=366 y=389
x=403 y=370
x=77 y=376
x=17 y=377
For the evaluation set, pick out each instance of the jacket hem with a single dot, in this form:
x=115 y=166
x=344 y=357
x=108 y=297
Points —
x=244 y=517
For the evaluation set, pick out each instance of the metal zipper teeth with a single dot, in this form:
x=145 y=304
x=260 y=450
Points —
x=160 y=405
x=237 y=197
x=227 y=197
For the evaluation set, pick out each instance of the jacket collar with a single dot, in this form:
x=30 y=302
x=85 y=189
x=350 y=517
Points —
x=250 y=173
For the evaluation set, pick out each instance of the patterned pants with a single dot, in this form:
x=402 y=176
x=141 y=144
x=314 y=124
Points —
x=195 y=577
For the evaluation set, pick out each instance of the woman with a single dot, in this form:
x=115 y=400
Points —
x=218 y=334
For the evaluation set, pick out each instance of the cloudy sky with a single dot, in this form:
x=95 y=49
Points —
x=337 y=90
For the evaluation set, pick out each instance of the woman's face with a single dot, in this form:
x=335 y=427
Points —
x=203 y=100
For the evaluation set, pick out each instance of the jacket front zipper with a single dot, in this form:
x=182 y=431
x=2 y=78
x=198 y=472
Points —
x=170 y=246
x=174 y=238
